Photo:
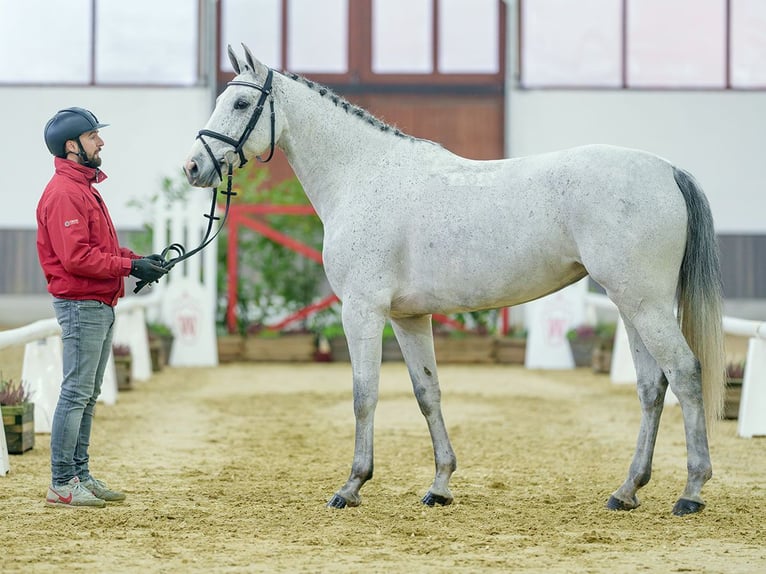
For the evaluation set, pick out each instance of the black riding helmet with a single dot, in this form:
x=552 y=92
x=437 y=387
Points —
x=69 y=124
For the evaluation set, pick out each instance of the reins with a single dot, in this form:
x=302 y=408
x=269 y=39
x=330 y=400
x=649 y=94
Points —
x=238 y=145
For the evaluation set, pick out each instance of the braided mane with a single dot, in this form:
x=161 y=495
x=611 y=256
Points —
x=350 y=108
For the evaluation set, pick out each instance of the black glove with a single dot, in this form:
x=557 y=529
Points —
x=147 y=269
x=156 y=257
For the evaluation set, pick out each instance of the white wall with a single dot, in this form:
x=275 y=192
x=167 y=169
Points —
x=150 y=132
x=718 y=136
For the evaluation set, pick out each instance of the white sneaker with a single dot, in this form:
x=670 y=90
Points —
x=100 y=490
x=72 y=495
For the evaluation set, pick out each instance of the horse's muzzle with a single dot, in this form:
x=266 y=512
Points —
x=199 y=176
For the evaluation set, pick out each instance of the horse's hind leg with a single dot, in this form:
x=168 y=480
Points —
x=651 y=387
x=662 y=338
x=416 y=341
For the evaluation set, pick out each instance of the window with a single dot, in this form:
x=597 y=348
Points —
x=31 y=53
x=571 y=43
x=665 y=44
x=85 y=42
x=402 y=36
x=676 y=43
x=342 y=42
x=748 y=44
x=255 y=23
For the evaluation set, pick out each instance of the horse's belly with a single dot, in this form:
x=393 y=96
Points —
x=473 y=285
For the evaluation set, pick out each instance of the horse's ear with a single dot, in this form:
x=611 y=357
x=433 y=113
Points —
x=233 y=59
x=249 y=57
x=258 y=68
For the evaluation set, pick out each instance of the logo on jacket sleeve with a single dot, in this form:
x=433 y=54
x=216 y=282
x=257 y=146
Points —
x=70 y=222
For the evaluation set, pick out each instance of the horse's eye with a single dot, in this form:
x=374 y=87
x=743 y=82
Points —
x=241 y=104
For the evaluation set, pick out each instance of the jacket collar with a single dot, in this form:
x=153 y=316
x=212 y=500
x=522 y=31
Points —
x=78 y=172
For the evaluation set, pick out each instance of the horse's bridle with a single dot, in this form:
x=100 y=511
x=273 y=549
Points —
x=238 y=145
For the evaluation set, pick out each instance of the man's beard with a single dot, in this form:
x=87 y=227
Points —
x=93 y=161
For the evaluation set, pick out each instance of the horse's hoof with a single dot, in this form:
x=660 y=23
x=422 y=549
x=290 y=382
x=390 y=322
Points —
x=337 y=501
x=685 y=506
x=617 y=504
x=431 y=499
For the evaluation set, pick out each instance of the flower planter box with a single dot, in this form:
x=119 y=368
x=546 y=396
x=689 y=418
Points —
x=19 y=426
x=467 y=349
x=297 y=348
x=157 y=355
x=230 y=348
x=602 y=360
x=339 y=349
x=732 y=399
x=391 y=351
x=510 y=351
x=582 y=351
x=122 y=366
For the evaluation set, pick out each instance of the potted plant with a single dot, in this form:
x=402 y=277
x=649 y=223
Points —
x=472 y=344
x=735 y=373
x=336 y=339
x=582 y=340
x=264 y=344
x=274 y=281
x=123 y=361
x=391 y=350
x=160 y=344
x=511 y=348
x=603 y=347
x=18 y=416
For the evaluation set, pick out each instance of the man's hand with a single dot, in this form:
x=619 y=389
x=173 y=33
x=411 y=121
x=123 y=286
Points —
x=147 y=269
x=159 y=259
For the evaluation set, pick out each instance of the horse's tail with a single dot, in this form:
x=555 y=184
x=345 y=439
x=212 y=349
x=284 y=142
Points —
x=700 y=298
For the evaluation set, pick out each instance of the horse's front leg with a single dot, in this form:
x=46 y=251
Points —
x=415 y=338
x=364 y=332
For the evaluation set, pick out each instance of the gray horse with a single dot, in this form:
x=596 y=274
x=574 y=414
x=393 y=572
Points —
x=412 y=229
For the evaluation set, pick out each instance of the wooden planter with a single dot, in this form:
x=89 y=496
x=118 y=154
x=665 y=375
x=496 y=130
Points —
x=230 y=348
x=582 y=351
x=510 y=351
x=157 y=355
x=160 y=346
x=732 y=399
x=297 y=348
x=339 y=349
x=122 y=365
x=391 y=351
x=19 y=426
x=466 y=349
x=602 y=360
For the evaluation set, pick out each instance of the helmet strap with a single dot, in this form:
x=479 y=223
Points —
x=84 y=159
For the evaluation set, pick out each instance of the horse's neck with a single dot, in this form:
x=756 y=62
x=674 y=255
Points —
x=328 y=146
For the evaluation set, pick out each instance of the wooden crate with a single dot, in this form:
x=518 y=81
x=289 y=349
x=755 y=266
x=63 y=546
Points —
x=123 y=366
x=467 y=349
x=602 y=360
x=230 y=348
x=732 y=399
x=510 y=351
x=297 y=348
x=19 y=425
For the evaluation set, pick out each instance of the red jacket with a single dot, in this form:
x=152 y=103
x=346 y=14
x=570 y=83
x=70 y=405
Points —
x=76 y=240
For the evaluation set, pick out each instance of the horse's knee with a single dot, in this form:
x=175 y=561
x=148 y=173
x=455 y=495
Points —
x=365 y=402
x=652 y=395
x=427 y=396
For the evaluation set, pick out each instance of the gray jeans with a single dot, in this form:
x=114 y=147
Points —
x=86 y=332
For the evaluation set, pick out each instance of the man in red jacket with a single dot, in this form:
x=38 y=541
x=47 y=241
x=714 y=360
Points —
x=85 y=268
